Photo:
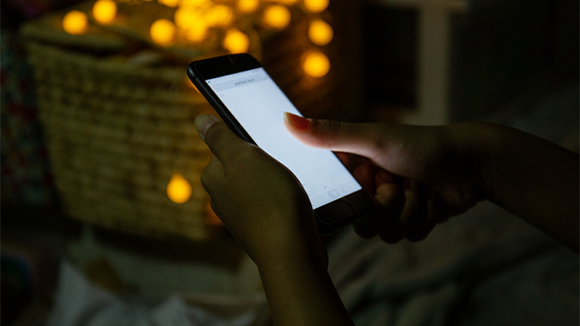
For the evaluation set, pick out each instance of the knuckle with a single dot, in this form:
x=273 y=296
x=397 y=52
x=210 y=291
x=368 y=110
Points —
x=329 y=130
x=214 y=135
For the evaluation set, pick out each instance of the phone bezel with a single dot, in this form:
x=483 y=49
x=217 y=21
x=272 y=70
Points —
x=330 y=217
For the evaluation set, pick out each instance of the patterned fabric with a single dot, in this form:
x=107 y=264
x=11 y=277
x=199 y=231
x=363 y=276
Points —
x=26 y=176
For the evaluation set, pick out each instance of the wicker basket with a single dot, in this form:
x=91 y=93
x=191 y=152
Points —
x=116 y=133
x=119 y=125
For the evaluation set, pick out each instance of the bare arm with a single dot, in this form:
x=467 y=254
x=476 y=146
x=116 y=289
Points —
x=300 y=292
x=531 y=177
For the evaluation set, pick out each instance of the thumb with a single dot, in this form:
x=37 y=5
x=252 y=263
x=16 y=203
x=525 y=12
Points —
x=356 y=138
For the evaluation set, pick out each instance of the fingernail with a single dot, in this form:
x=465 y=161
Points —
x=297 y=121
x=203 y=122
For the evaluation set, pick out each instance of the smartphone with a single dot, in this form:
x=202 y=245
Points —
x=252 y=105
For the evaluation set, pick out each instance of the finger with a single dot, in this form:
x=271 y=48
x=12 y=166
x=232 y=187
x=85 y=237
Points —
x=388 y=201
x=436 y=208
x=392 y=200
x=343 y=157
x=221 y=141
x=434 y=214
x=363 y=174
x=414 y=214
x=212 y=174
x=425 y=224
x=356 y=138
x=354 y=161
x=203 y=122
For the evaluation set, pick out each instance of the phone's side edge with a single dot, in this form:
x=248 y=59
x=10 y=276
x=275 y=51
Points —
x=217 y=104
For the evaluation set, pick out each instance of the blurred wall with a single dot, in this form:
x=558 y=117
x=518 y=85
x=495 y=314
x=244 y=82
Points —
x=502 y=50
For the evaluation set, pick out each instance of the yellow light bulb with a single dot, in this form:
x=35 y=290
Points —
x=184 y=16
x=169 y=3
x=248 y=6
x=316 y=64
x=104 y=11
x=178 y=189
x=162 y=31
x=74 y=22
x=236 y=41
x=277 y=16
x=286 y=2
x=193 y=3
x=196 y=31
x=219 y=15
x=320 y=33
x=316 y=5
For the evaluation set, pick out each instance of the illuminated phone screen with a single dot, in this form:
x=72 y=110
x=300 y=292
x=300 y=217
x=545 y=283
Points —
x=258 y=105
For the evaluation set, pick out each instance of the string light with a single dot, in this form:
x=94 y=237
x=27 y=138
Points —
x=196 y=31
x=248 y=6
x=316 y=5
x=169 y=3
x=184 y=16
x=316 y=64
x=286 y=2
x=236 y=41
x=162 y=31
x=219 y=15
x=193 y=3
x=320 y=32
x=178 y=189
x=277 y=16
x=104 y=11
x=74 y=22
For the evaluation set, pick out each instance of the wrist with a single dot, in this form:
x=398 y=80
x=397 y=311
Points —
x=295 y=243
x=478 y=142
x=291 y=261
x=299 y=289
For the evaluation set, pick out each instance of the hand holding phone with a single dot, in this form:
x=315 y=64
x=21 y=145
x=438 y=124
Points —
x=252 y=105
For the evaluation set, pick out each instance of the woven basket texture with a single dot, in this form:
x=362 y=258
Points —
x=116 y=133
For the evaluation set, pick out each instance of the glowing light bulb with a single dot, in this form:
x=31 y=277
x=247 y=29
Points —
x=320 y=32
x=219 y=15
x=316 y=64
x=74 y=22
x=184 y=16
x=193 y=3
x=277 y=16
x=162 y=31
x=104 y=11
x=196 y=31
x=248 y=6
x=169 y=3
x=286 y=2
x=236 y=41
x=178 y=189
x=316 y=5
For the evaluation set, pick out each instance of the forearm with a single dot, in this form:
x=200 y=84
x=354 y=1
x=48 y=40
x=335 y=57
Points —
x=533 y=178
x=300 y=291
